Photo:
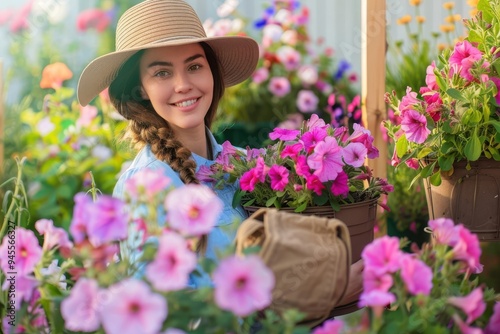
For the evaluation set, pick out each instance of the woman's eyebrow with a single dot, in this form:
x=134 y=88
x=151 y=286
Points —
x=167 y=63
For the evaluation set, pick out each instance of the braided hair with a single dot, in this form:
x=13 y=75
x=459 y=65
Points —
x=147 y=127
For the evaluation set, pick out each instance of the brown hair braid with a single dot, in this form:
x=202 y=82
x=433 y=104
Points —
x=147 y=127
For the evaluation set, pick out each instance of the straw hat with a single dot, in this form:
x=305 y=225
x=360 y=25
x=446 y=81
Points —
x=157 y=23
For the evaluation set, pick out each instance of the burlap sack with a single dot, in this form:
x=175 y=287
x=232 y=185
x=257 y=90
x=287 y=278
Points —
x=310 y=257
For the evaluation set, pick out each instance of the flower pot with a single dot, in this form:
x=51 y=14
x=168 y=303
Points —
x=469 y=197
x=359 y=218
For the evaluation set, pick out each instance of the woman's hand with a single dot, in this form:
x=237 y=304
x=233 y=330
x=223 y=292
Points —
x=355 y=285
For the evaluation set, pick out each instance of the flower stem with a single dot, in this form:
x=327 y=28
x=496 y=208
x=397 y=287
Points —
x=13 y=203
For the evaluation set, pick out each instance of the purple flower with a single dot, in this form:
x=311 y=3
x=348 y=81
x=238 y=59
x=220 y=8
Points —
x=289 y=57
x=193 y=209
x=133 y=308
x=340 y=186
x=416 y=275
x=80 y=308
x=108 y=220
x=173 y=262
x=307 y=101
x=243 y=285
x=344 y=66
x=279 y=86
x=354 y=154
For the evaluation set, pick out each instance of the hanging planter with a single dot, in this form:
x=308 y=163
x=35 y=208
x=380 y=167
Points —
x=469 y=197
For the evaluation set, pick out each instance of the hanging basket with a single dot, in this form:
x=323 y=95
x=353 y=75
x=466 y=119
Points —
x=469 y=197
x=359 y=217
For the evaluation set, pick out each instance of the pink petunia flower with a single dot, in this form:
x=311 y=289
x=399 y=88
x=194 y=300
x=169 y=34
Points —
x=243 y=285
x=326 y=159
x=204 y=174
x=416 y=275
x=412 y=163
x=496 y=81
x=409 y=101
x=292 y=151
x=21 y=287
x=313 y=183
x=355 y=154
x=468 y=249
x=133 y=308
x=227 y=151
x=27 y=251
x=312 y=137
x=376 y=298
x=301 y=166
x=493 y=326
x=148 y=183
x=80 y=308
x=172 y=265
x=307 y=101
x=79 y=221
x=284 y=134
x=193 y=209
x=372 y=281
x=279 y=177
x=340 y=186
x=473 y=304
x=414 y=125
x=382 y=255
x=443 y=230
x=464 y=328
x=93 y=18
x=260 y=75
x=430 y=78
x=249 y=179
x=279 y=86
x=308 y=74
x=108 y=220
x=464 y=55
x=330 y=327
x=87 y=115
x=289 y=57
x=53 y=236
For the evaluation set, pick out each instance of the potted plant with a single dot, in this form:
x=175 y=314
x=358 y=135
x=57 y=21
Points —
x=450 y=133
x=316 y=170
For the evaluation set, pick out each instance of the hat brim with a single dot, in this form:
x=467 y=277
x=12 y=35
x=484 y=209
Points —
x=237 y=55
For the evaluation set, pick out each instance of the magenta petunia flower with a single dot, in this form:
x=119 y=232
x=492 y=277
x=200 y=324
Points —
x=284 y=134
x=292 y=151
x=416 y=275
x=172 y=265
x=193 y=209
x=312 y=137
x=204 y=174
x=473 y=304
x=430 y=78
x=382 y=255
x=414 y=124
x=468 y=249
x=80 y=308
x=93 y=18
x=412 y=163
x=27 y=252
x=355 y=154
x=148 y=183
x=494 y=323
x=133 y=308
x=330 y=327
x=289 y=57
x=249 y=179
x=243 y=285
x=364 y=136
x=376 y=298
x=443 y=231
x=372 y=281
x=52 y=236
x=326 y=159
x=496 y=81
x=464 y=56
x=301 y=167
x=227 y=151
x=409 y=101
x=315 y=122
x=108 y=220
x=313 y=183
x=340 y=186
x=307 y=101
x=279 y=177
x=79 y=221
x=279 y=86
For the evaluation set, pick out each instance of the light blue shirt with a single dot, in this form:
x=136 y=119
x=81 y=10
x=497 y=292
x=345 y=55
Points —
x=222 y=235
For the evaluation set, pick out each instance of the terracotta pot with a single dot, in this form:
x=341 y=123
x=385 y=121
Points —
x=469 y=197
x=359 y=217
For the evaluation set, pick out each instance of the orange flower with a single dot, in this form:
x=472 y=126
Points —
x=472 y=3
x=54 y=74
x=453 y=18
x=420 y=19
x=404 y=20
x=473 y=12
x=442 y=46
x=448 y=5
x=415 y=2
x=447 y=28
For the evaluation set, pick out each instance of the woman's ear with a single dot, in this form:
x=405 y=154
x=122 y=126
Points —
x=144 y=95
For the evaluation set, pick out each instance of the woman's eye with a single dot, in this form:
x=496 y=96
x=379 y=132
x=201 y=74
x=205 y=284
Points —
x=194 y=67
x=161 y=74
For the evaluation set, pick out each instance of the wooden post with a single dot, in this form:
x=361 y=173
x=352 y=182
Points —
x=374 y=110
x=2 y=116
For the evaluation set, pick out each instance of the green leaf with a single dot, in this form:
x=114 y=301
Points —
x=455 y=94
x=435 y=179
x=446 y=162
x=301 y=207
x=485 y=7
x=474 y=37
x=320 y=200
x=271 y=201
x=494 y=153
x=424 y=152
x=401 y=146
x=249 y=202
x=439 y=80
x=237 y=197
x=472 y=149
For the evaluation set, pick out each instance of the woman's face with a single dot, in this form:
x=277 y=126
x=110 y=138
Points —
x=179 y=83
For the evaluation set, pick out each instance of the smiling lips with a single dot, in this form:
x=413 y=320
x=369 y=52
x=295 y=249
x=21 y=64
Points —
x=185 y=104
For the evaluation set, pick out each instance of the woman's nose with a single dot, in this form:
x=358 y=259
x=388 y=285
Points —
x=182 y=83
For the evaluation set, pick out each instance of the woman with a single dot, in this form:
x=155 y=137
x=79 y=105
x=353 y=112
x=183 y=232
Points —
x=166 y=77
